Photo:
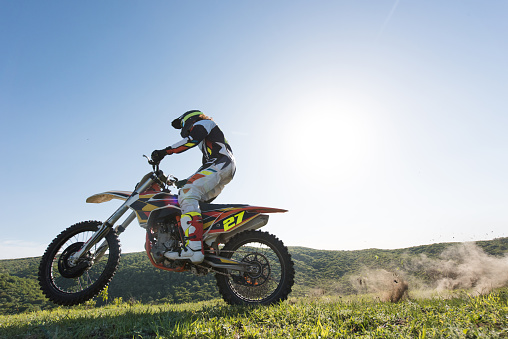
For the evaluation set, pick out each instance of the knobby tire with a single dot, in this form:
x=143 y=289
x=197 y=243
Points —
x=273 y=255
x=53 y=284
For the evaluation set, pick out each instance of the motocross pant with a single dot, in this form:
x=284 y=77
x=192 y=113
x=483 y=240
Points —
x=202 y=186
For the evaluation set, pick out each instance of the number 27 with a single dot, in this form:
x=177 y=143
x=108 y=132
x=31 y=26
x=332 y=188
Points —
x=230 y=222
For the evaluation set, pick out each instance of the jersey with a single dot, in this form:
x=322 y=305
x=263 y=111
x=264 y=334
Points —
x=209 y=138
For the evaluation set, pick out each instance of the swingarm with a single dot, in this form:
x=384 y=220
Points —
x=221 y=262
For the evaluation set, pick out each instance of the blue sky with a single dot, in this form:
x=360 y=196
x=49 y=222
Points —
x=375 y=123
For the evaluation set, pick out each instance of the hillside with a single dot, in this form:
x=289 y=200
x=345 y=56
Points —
x=317 y=272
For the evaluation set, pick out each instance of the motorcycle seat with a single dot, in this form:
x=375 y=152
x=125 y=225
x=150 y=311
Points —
x=212 y=207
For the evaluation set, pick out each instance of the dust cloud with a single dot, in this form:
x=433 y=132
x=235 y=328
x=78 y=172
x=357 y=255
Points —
x=387 y=285
x=463 y=266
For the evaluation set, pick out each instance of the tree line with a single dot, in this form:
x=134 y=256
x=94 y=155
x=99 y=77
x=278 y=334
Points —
x=138 y=281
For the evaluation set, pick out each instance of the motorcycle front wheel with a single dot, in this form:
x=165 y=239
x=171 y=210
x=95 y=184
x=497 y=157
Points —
x=271 y=279
x=65 y=283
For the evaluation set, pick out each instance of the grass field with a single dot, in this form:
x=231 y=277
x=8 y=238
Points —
x=460 y=316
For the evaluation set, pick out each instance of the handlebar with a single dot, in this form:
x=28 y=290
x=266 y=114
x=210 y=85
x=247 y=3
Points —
x=166 y=180
x=154 y=164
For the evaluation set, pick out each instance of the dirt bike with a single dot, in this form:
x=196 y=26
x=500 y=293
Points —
x=250 y=266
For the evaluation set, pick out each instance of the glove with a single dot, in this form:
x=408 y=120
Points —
x=158 y=155
x=180 y=183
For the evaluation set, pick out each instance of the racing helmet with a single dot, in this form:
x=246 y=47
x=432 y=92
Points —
x=185 y=122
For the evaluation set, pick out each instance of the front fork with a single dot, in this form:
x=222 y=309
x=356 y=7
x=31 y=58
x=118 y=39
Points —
x=108 y=225
x=119 y=230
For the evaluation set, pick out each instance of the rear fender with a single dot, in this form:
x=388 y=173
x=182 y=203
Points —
x=254 y=223
x=222 y=222
x=222 y=218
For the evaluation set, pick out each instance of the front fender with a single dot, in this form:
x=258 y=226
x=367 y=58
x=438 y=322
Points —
x=107 y=196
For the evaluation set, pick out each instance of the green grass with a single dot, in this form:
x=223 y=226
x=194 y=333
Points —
x=460 y=316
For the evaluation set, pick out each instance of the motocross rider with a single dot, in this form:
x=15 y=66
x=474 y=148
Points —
x=217 y=170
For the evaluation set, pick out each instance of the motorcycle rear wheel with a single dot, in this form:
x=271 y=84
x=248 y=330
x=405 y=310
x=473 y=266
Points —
x=66 y=284
x=273 y=279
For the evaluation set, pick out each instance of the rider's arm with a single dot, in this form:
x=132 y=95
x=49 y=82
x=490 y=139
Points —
x=182 y=145
x=197 y=134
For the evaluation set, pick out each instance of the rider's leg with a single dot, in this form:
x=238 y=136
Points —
x=202 y=186
x=198 y=187
x=192 y=226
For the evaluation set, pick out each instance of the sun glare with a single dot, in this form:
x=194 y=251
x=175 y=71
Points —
x=334 y=137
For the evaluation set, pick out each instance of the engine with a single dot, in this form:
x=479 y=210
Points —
x=164 y=237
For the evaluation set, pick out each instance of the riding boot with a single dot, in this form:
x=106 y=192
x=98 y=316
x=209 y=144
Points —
x=192 y=226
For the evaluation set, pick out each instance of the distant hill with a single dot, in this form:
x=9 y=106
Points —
x=317 y=271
